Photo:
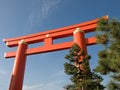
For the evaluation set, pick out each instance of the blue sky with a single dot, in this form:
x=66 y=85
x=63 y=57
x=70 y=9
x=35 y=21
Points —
x=23 y=17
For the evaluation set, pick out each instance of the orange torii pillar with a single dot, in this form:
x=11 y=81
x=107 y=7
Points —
x=19 y=67
x=79 y=38
x=77 y=30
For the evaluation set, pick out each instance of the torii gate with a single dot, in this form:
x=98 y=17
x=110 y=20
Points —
x=77 y=31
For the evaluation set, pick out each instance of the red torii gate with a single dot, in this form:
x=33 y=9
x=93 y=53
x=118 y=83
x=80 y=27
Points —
x=77 y=31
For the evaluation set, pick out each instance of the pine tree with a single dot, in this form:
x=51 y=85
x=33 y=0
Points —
x=108 y=34
x=80 y=75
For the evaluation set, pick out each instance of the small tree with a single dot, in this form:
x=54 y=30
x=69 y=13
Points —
x=108 y=34
x=80 y=75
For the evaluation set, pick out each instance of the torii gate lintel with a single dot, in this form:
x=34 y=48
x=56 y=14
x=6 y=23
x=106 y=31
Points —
x=77 y=31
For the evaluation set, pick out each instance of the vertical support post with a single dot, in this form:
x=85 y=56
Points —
x=19 y=67
x=48 y=41
x=79 y=38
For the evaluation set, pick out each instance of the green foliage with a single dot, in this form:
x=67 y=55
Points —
x=113 y=86
x=70 y=87
x=108 y=34
x=77 y=67
x=116 y=77
x=70 y=69
x=103 y=25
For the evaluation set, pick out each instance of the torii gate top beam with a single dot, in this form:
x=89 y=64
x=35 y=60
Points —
x=48 y=36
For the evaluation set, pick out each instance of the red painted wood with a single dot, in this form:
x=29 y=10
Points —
x=53 y=35
x=54 y=30
x=54 y=47
x=18 y=68
x=80 y=25
x=79 y=38
x=47 y=37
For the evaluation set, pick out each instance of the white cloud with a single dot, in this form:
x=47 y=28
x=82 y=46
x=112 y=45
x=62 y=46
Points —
x=58 y=74
x=40 y=10
x=48 y=5
x=32 y=87
x=53 y=85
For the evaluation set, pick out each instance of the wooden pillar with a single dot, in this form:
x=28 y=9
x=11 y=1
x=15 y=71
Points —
x=19 y=67
x=79 y=38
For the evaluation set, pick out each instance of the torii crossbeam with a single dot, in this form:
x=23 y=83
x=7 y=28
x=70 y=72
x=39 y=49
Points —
x=47 y=37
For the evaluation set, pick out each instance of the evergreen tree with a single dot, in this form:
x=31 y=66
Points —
x=108 y=34
x=80 y=75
